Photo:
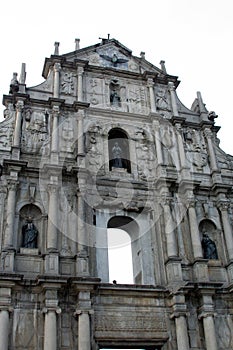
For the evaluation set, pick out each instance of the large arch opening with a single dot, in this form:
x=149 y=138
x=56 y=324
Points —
x=120 y=263
x=124 y=251
x=118 y=146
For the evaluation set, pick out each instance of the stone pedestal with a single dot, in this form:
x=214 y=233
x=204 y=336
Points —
x=52 y=263
x=200 y=269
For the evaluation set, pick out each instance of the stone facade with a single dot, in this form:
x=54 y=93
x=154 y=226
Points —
x=105 y=142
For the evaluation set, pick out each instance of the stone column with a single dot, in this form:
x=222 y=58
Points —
x=169 y=229
x=80 y=116
x=50 y=310
x=55 y=134
x=171 y=88
x=150 y=85
x=105 y=152
x=4 y=329
x=18 y=123
x=223 y=207
x=52 y=218
x=181 y=332
x=132 y=156
x=213 y=162
x=209 y=331
x=179 y=313
x=156 y=127
x=56 y=85
x=195 y=236
x=83 y=313
x=80 y=72
x=84 y=342
x=82 y=268
x=50 y=330
x=10 y=218
x=180 y=143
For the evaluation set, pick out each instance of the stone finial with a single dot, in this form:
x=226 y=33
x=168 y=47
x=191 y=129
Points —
x=22 y=78
x=142 y=54
x=56 y=50
x=77 y=44
x=162 y=64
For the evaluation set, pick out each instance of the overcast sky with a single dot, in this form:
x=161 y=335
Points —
x=194 y=37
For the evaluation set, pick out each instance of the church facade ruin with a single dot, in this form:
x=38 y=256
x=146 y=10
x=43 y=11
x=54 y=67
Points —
x=104 y=142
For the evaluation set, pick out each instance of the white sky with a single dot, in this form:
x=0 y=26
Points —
x=194 y=37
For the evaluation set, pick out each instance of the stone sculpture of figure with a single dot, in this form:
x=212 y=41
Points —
x=14 y=85
x=209 y=247
x=117 y=152
x=30 y=234
x=115 y=99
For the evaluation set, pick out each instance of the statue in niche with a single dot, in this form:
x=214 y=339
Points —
x=30 y=234
x=117 y=153
x=115 y=99
x=209 y=247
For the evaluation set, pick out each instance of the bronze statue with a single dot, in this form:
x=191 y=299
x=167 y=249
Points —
x=209 y=247
x=30 y=234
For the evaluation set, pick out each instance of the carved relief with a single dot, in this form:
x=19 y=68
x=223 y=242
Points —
x=129 y=322
x=6 y=131
x=67 y=135
x=94 y=154
x=195 y=145
x=224 y=330
x=35 y=131
x=145 y=154
x=94 y=90
x=67 y=83
x=137 y=99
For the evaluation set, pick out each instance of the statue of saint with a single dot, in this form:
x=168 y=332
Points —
x=117 y=152
x=30 y=234
x=209 y=247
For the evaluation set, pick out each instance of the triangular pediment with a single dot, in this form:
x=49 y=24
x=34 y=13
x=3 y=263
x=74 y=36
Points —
x=112 y=54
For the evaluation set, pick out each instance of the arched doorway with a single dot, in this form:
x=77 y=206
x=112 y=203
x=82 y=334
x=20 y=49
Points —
x=118 y=146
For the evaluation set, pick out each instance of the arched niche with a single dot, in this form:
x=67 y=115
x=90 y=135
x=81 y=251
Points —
x=118 y=146
x=30 y=214
x=208 y=230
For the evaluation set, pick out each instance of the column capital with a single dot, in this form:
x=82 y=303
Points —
x=12 y=184
x=207 y=132
x=223 y=205
x=57 y=67
x=171 y=86
x=19 y=105
x=57 y=310
x=150 y=82
x=80 y=70
x=206 y=314
x=52 y=188
x=79 y=312
x=177 y=314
